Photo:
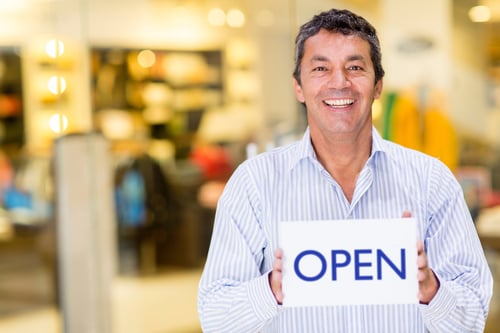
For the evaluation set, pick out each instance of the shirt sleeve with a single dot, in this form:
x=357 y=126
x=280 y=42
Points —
x=234 y=293
x=456 y=256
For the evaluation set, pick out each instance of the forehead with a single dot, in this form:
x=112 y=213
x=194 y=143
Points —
x=331 y=44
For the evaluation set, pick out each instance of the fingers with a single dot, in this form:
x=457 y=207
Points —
x=427 y=281
x=276 y=276
x=428 y=284
x=421 y=261
x=278 y=254
x=420 y=248
x=406 y=213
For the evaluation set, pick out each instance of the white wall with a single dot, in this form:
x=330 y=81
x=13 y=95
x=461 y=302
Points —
x=402 y=21
x=469 y=83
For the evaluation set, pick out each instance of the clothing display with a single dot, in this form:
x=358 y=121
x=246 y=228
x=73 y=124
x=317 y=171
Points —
x=141 y=192
x=404 y=122
x=290 y=184
x=426 y=128
x=440 y=138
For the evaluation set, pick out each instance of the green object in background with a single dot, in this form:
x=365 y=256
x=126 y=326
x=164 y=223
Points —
x=387 y=114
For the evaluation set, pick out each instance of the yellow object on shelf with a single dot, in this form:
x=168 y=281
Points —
x=440 y=139
x=425 y=129
x=404 y=125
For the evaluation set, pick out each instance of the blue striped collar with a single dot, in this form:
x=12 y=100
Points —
x=305 y=149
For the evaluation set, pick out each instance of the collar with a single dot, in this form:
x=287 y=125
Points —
x=305 y=149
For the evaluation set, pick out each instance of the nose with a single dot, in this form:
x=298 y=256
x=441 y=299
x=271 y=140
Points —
x=338 y=79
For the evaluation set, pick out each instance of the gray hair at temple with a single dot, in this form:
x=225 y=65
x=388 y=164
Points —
x=344 y=22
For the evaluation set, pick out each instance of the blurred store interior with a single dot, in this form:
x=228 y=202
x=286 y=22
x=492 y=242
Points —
x=121 y=120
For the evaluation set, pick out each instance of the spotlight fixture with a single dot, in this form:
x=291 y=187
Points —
x=479 y=14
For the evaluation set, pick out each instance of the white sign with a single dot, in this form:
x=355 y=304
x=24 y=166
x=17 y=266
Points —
x=349 y=262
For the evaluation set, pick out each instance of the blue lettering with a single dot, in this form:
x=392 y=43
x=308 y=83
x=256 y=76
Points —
x=342 y=258
x=296 y=265
x=401 y=273
x=358 y=264
x=335 y=263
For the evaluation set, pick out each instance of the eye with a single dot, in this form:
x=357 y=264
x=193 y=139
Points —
x=355 y=68
x=319 y=69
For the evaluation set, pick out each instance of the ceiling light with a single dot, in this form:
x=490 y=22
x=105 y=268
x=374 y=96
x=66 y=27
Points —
x=56 y=85
x=58 y=123
x=54 y=48
x=146 y=58
x=480 y=14
x=235 y=18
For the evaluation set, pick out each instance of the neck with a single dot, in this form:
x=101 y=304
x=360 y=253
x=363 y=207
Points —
x=343 y=158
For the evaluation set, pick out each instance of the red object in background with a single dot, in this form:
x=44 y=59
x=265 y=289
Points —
x=10 y=105
x=492 y=199
x=6 y=172
x=214 y=161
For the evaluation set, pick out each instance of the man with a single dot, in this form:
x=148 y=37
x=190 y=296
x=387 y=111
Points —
x=341 y=169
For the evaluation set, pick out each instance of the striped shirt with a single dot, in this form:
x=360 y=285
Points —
x=287 y=184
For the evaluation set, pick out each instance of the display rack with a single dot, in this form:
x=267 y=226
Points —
x=167 y=91
x=11 y=96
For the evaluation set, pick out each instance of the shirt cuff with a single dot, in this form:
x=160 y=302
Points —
x=261 y=297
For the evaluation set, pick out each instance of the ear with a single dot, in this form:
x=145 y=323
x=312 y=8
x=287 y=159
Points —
x=298 y=91
x=378 y=89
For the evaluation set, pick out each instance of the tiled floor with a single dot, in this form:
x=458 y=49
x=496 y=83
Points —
x=165 y=303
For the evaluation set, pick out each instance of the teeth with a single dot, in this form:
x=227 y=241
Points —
x=339 y=102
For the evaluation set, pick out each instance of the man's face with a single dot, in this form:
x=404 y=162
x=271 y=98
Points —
x=337 y=83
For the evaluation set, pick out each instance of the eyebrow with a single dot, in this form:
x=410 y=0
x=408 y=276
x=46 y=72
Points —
x=354 y=57
x=319 y=58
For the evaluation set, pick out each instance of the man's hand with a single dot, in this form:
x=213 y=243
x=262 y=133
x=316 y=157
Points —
x=276 y=276
x=428 y=284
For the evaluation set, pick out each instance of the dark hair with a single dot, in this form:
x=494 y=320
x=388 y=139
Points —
x=344 y=22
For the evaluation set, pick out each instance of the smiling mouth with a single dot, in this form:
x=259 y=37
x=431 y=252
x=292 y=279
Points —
x=339 y=102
